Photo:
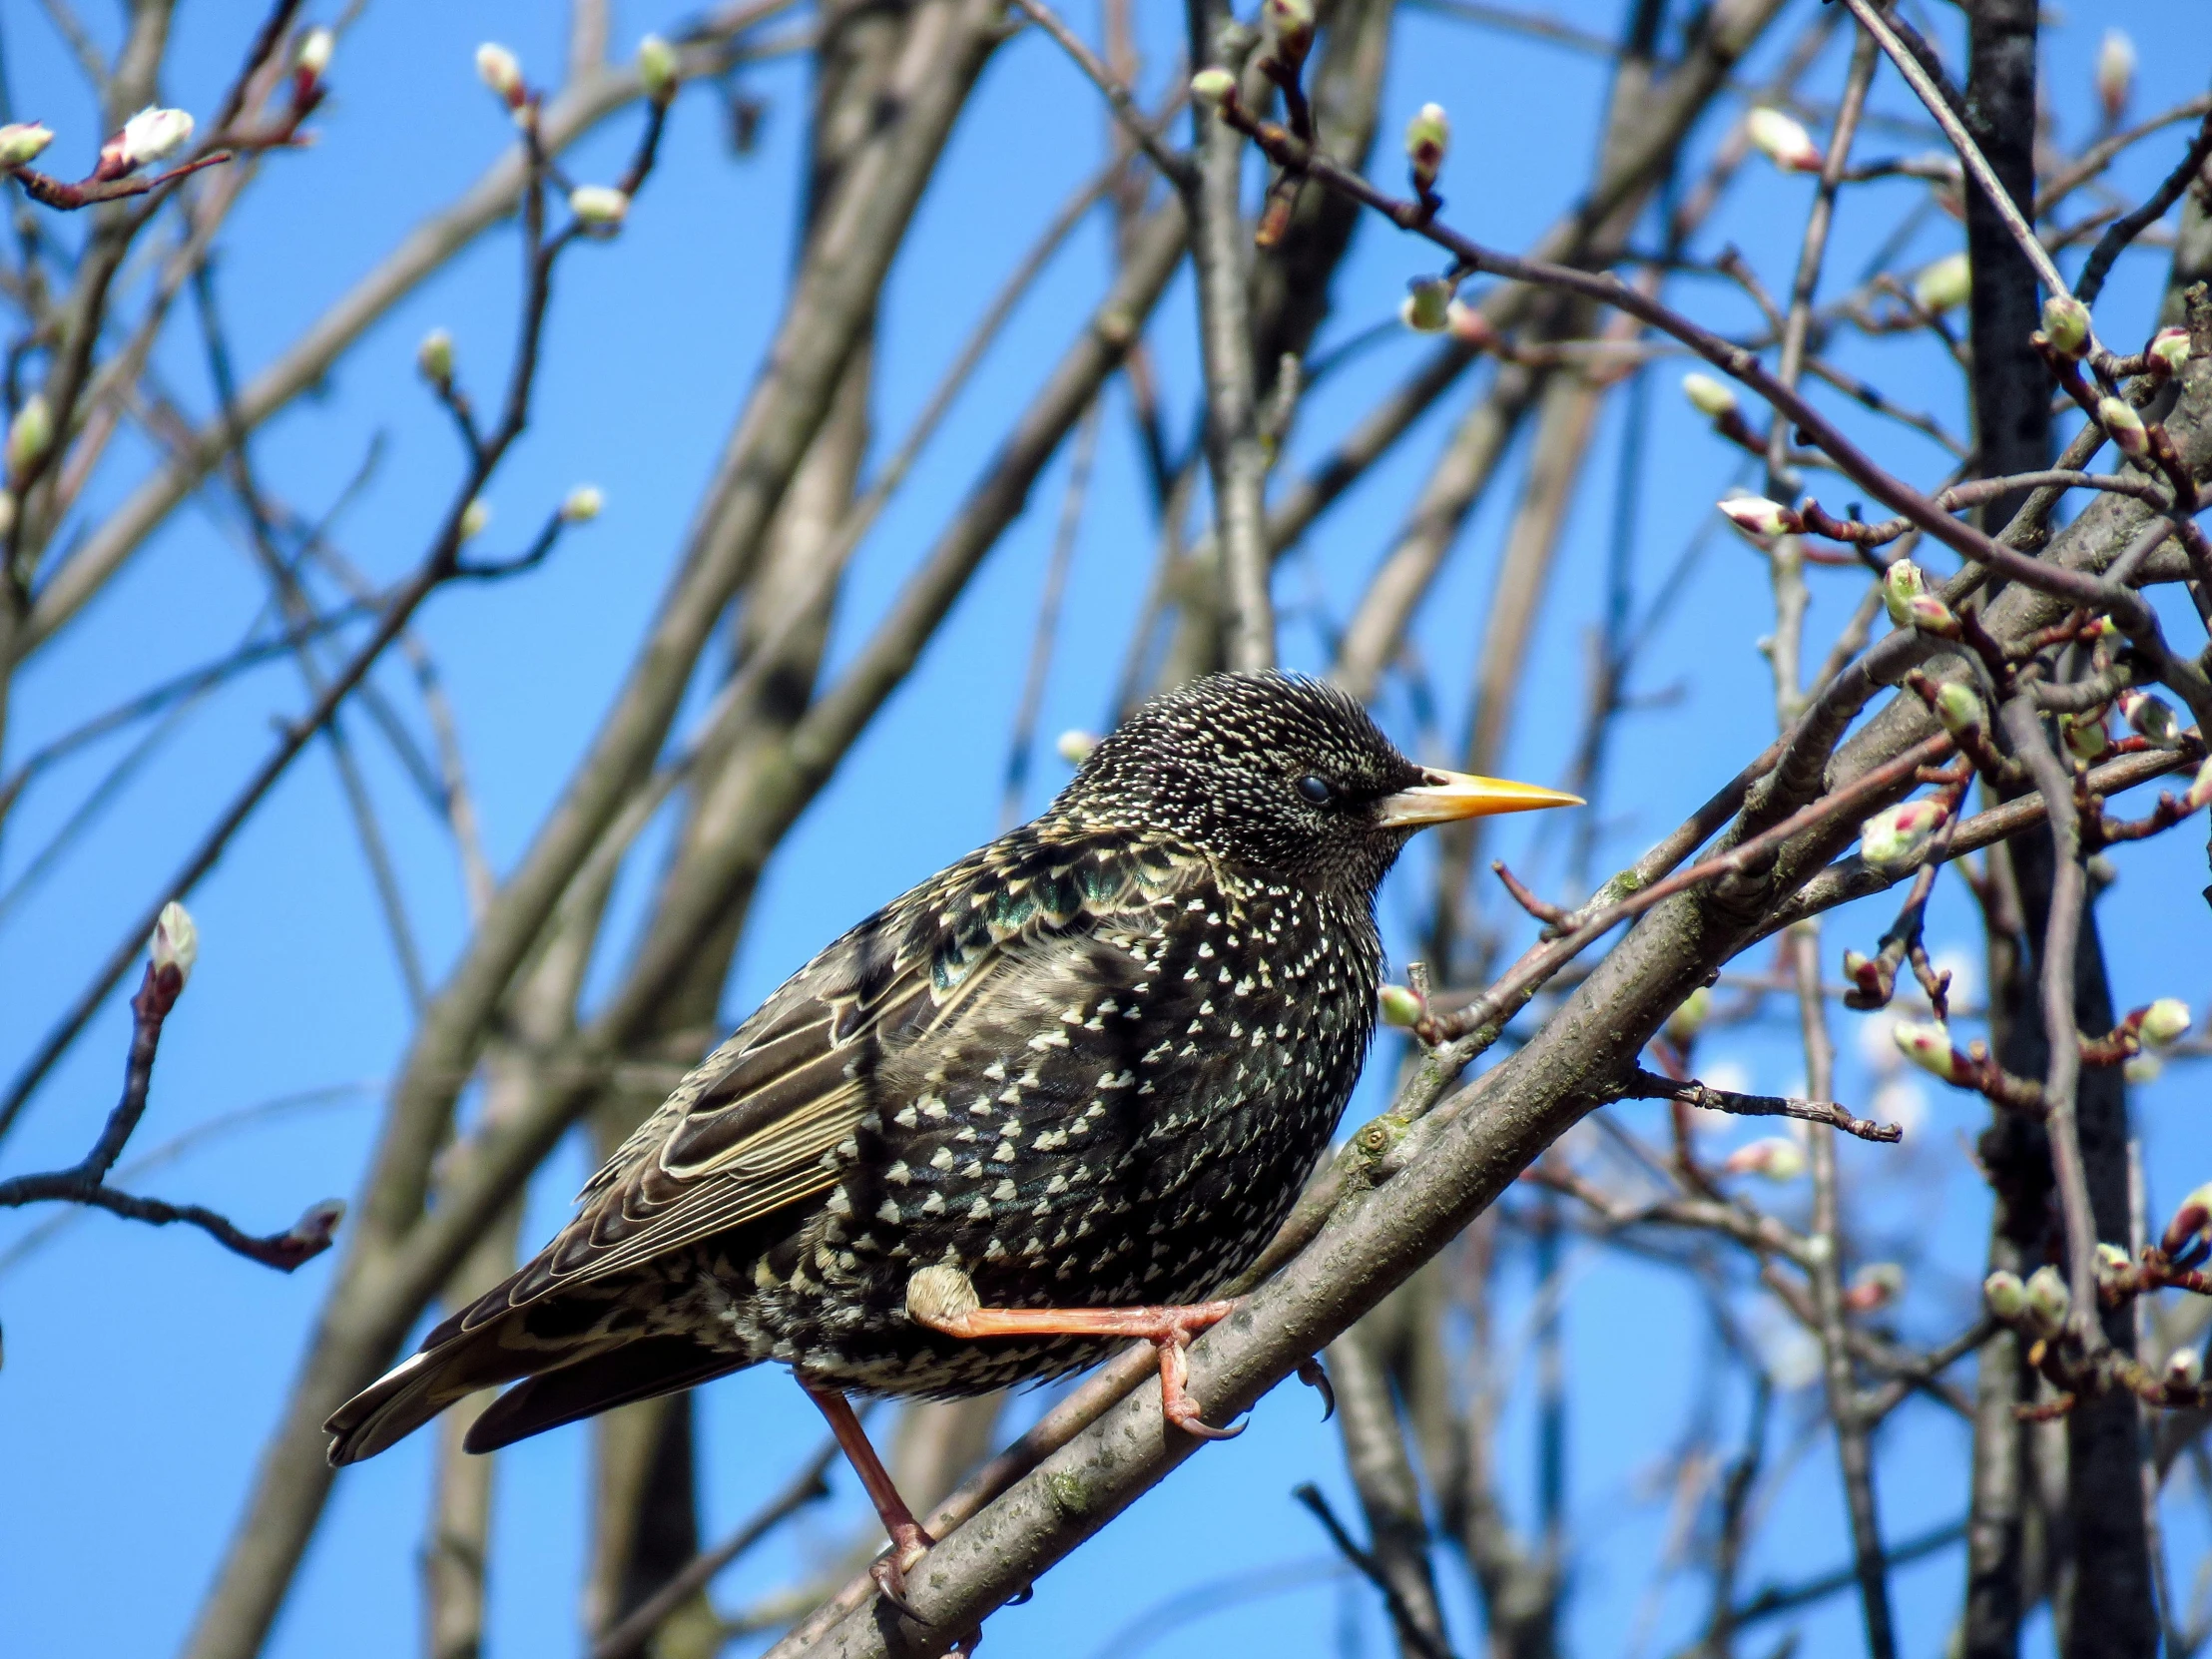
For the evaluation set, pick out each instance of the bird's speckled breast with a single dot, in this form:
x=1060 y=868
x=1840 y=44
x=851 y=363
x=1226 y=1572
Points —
x=1125 y=1122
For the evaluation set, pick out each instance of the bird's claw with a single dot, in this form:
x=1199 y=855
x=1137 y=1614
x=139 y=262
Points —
x=1310 y=1373
x=890 y=1568
x=1176 y=1404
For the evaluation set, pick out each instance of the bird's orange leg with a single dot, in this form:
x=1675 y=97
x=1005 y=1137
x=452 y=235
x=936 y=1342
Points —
x=908 y=1541
x=943 y=1299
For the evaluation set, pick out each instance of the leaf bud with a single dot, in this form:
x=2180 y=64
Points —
x=1714 y=399
x=1292 y=23
x=1398 y=1006
x=1783 y=141
x=2185 y=1368
x=1212 y=88
x=176 y=941
x=2171 y=347
x=2111 y=1258
x=1943 y=285
x=581 y=505
x=657 y=68
x=599 y=207
x=1427 y=307
x=2049 y=1300
x=2115 y=72
x=1689 y=1019
x=2200 y=792
x=2164 y=1021
x=2066 y=325
x=435 y=358
x=1958 y=706
x=1428 y=138
x=1900 y=584
x=2142 y=1068
x=1877 y=1284
x=2085 y=735
x=1777 y=1158
x=2192 y=1223
x=312 y=56
x=2152 y=716
x=2125 y=428
x=1929 y=615
x=475 y=518
x=23 y=142
x=2005 y=1295
x=500 y=70
x=1075 y=747
x=1896 y=837
x=1469 y=327
x=30 y=434
x=1926 y=1043
x=149 y=136
x=1755 y=516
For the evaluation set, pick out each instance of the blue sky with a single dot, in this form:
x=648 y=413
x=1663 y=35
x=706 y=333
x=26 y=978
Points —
x=143 y=1368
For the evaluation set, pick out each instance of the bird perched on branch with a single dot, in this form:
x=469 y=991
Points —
x=1048 y=1100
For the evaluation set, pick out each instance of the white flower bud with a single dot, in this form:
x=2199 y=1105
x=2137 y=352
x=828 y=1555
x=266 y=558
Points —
x=1688 y=1020
x=1782 y=140
x=1714 y=399
x=176 y=941
x=581 y=505
x=1398 y=1006
x=2200 y=792
x=1777 y=1158
x=2005 y=1295
x=475 y=518
x=2185 y=1368
x=2085 y=735
x=1210 y=88
x=1927 y=1045
x=23 y=142
x=434 y=356
x=314 y=54
x=2171 y=347
x=2152 y=716
x=2111 y=1258
x=30 y=434
x=1292 y=21
x=1930 y=614
x=2142 y=1069
x=1893 y=838
x=1958 y=706
x=2049 y=1300
x=2164 y=1021
x=1943 y=285
x=1428 y=139
x=1469 y=327
x=600 y=207
x=1755 y=516
x=1075 y=747
x=2066 y=325
x=1427 y=307
x=2115 y=75
x=1901 y=584
x=657 y=67
x=500 y=70
x=2118 y=417
x=152 y=134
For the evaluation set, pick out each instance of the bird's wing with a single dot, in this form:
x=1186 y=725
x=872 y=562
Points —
x=756 y=1126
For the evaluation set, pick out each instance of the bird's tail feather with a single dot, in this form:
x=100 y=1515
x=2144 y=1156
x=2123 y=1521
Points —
x=641 y=1369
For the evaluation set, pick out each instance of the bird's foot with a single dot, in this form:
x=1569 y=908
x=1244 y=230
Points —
x=909 y=1543
x=1310 y=1373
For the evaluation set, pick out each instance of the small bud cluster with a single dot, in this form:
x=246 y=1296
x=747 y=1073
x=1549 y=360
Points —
x=2048 y=1300
x=2085 y=735
x=500 y=70
x=146 y=137
x=1896 y=838
x=2115 y=72
x=435 y=358
x=1212 y=88
x=176 y=941
x=2066 y=326
x=2123 y=425
x=1712 y=399
x=1944 y=285
x=1292 y=24
x=1756 y=517
x=1469 y=327
x=2170 y=346
x=599 y=207
x=1958 y=706
x=1428 y=139
x=1400 y=1007
x=658 y=68
x=2005 y=1295
x=1783 y=141
x=582 y=504
x=2200 y=792
x=1902 y=583
x=1927 y=1045
x=475 y=519
x=23 y=142
x=1427 y=307
x=2190 y=1232
x=2164 y=1021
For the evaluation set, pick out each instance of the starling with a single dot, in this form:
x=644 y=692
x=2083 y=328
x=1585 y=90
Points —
x=1047 y=1101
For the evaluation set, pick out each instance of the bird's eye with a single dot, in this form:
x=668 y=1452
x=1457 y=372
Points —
x=1317 y=789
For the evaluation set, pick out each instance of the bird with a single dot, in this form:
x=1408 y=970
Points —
x=1051 y=1099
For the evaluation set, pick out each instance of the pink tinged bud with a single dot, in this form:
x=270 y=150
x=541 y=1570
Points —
x=1856 y=962
x=657 y=67
x=1959 y=707
x=1777 y=1158
x=2111 y=1258
x=2171 y=347
x=1469 y=327
x=1930 y=614
x=2005 y=1295
x=2185 y=1368
x=500 y=70
x=1943 y=285
x=2164 y=1021
x=1712 y=399
x=1755 y=516
x=176 y=941
x=601 y=207
x=150 y=134
x=1210 y=88
x=2049 y=1300
x=30 y=434
x=1292 y=21
x=2066 y=323
x=1428 y=138
x=2152 y=716
x=1687 y=1021
x=23 y=142
x=1875 y=1284
x=434 y=356
x=475 y=519
x=1427 y=307
x=1927 y=1045
x=313 y=55
x=2200 y=792
x=1075 y=747
x=581 y=505
x=1398 y=1006
x=2118 y=417
x=1783 y=142
x=2189 y=1222
x=2115 y=72
x=2085 y=735
x=1901 y=584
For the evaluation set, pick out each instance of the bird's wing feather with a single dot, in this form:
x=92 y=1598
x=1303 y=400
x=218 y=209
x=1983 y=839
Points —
x=754 y=1127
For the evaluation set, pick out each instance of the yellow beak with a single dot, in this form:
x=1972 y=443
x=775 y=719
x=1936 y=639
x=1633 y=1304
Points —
x=1447 y=796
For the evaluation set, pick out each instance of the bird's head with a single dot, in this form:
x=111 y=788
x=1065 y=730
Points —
x=1285 y=775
